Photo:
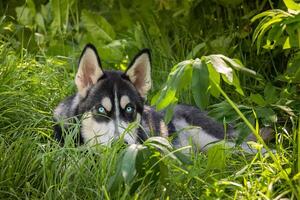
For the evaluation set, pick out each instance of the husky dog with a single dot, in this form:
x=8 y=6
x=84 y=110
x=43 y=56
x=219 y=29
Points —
x=108 y=102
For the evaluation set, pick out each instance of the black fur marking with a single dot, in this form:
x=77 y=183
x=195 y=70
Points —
x=195 y=117
x=141 y=135
x=58 y=134
x=171 y=128
x=60 y=137
x=90 y=46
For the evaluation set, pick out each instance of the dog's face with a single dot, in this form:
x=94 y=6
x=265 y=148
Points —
x=111 y=100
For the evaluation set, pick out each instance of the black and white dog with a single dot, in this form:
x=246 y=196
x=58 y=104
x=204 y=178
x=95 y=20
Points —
x=107 y=103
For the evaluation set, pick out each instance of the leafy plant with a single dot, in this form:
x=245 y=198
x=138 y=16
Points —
x=203 y=76
x=40 y=40
x=279 y=28
x=147 y=163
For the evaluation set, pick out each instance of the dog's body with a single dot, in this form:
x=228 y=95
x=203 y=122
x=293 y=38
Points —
x=109 y=102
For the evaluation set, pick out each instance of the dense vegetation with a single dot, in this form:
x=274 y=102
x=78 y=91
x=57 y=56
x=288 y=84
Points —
x=247 y=73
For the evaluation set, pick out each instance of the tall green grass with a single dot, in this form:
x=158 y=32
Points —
x=32 y=82
x=34 y=166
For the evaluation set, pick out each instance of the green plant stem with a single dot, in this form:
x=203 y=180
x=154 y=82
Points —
x=255 y=132
x=260 y=140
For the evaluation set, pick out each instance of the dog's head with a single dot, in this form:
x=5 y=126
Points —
x=111 y=100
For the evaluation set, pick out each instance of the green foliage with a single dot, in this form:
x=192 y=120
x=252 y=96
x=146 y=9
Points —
x=279 y=28
x=205 y=74
x=40 y=41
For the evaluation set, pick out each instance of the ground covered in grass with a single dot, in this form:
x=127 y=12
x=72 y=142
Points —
x=38 y=61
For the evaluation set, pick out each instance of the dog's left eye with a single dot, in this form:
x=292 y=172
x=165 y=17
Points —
x=129 y=109
x=101 y=110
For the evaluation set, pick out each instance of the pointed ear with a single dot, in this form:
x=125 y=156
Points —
x=139 y=72
x=89 y=69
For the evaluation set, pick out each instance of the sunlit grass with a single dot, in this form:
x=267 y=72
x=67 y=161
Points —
x=33 y=165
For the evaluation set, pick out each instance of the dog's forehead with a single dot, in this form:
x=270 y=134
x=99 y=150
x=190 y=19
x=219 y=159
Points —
x=115 y=84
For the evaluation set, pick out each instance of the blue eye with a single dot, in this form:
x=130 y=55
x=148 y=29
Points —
x=129 y=109
x=101 y=110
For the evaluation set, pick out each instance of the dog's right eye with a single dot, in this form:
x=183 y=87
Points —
x=101 y=110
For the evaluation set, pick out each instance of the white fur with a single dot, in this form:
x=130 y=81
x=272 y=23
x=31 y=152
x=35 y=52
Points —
x=75 y=101
x=124 y=101
x=131 y=135
x=61 y=111
x=196 y=135
x=106 y=103
x=201 y=139
x=94 y=132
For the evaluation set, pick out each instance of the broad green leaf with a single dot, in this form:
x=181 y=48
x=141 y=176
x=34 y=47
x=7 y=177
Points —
x=287 y=44
x=167 y=94
x=237 y=65
x=274 y=36
x=273 y=18
x=183 y=158
x=97 y=26
x=258 y=29
x=270 y=94
x=155 y=98
x=216 y=156
x=200 y=83
x=46 y=12
x=112 y=51
x=142 y=160
x=223 y=110
x=186 y=77
x=128 y=162
x=222 y=44
x=163 y=172
x=195 y=50
x=26 y=13
x=215 y=76
x=293 y=70
x=169 y=111
x=265 y=27
x=268 y=13
x=267 y=115
x=221 y=66
x=163 y=150
x=290 y=4
x=296 y=177
x=236 y=84
x=258 y=99
x=39 y=20
x=159 y=140
x=294 y=35
x=116 y=180
x=166 y=98
x=58 y=10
